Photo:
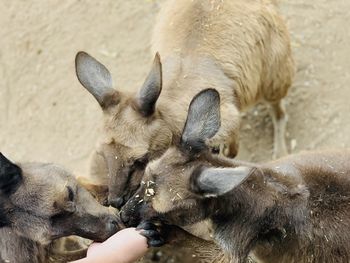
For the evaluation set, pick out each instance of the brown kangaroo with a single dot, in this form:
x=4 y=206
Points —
x=295 y=209
x=241 y=48
x=41 y=203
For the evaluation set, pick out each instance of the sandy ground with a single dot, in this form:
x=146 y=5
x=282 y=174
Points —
x=45 y=115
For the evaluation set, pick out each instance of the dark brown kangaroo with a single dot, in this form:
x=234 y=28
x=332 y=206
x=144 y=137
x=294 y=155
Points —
x=43 y=202
x=296 y=209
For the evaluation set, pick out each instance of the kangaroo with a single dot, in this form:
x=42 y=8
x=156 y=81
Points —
x=41 y=203
x=241 y=48
x=295 y=209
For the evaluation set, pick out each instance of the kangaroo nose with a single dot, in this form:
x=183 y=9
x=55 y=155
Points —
x=116 y=202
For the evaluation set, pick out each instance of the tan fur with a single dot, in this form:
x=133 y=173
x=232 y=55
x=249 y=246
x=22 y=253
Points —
x=40 y=210
x=241 y=48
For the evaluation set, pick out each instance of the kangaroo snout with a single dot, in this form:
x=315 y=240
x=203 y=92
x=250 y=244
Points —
x=132 y=211
x=130 y=215
x=101 y=229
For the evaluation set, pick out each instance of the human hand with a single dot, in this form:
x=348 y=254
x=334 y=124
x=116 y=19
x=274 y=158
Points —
x=126 y=246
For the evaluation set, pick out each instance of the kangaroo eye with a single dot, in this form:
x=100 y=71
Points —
x=215 y=150
x=70 y=194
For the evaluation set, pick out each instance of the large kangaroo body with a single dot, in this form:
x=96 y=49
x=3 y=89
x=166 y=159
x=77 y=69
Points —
x=240 y=48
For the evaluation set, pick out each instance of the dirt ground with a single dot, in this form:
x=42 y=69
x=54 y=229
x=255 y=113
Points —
x=45 y=115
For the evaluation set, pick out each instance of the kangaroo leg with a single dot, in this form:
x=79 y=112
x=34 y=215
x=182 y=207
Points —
x=279 y=119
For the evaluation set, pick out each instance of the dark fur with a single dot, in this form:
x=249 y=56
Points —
x=41 y=203
x=10 y=178
x=10 y=175
x=3 y=219
x=296 y=209
x=300 y=214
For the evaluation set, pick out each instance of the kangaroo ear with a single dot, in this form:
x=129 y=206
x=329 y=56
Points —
x=213 y=182
x=150 y=91
x=203 y=120
x=94 y=77
x=10 y=175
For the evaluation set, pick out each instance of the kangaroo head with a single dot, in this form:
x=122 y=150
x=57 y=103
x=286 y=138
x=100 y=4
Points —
x=134 y=131
x=177 y=186
x=44 y=202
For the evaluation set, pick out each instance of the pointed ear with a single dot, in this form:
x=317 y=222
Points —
x=94 y=77
x=203 y=120
x=150 y=91
x=213 y=182
x=10 y=175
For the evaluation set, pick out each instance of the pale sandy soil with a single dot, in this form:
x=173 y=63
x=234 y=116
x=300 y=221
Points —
x=45 y=115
